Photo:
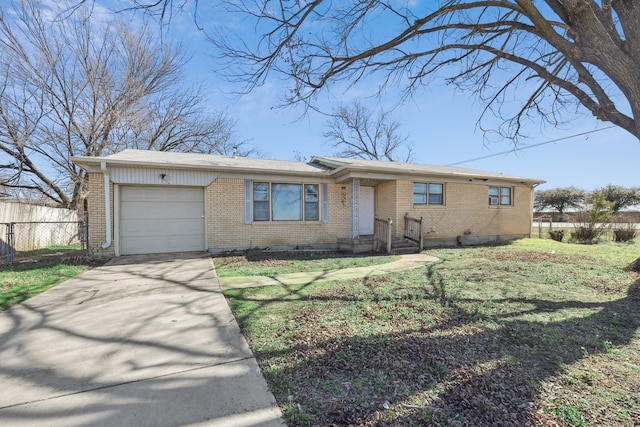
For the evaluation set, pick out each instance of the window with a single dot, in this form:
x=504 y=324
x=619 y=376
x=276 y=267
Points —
x=436 y=194
x=311 y=202
x=500 y=196
x=261 y=201
x=284 y=202
x=428 y=193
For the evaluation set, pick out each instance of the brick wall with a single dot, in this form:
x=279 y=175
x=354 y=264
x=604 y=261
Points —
x=386 y=204
x=226 y=228
x=97 y=223
x=466 y=209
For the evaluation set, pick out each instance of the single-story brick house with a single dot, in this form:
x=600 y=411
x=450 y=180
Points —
x=153 y=202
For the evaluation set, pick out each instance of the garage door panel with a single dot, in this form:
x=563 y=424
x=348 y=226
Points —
x=143 y=227
x=161 y=219
x=134 y=194
x=135 y=246
x=142 y=210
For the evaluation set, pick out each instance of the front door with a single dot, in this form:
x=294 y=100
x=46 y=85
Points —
x=366 y=210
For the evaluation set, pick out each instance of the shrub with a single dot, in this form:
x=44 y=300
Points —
x=624 y=234
x=592 y=223
x=586 y=234
x=625 y=230
x=556 y=235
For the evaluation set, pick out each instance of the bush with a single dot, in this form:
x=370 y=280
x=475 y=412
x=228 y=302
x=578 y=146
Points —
x=625 y=230
x=624 y=234
x=586 y=234
x=556 y=235
x=591 y=224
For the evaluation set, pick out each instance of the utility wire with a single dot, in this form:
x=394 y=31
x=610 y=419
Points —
x=530 y=146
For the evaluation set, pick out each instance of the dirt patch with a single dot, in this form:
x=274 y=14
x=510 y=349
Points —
x=532 y=256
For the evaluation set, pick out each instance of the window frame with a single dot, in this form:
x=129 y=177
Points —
x=261 y=202
x=279 y=214
x=427 y=193
x=306 y=206
x=499 y=195
x=306 y=203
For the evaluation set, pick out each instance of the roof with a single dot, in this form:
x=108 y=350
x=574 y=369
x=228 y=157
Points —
x=353 y=166
x=144 y=158
x=338 y=169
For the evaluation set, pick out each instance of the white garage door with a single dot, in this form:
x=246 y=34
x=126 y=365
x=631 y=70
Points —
x=161 y=219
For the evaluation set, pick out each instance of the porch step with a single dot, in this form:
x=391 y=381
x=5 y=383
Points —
x=359 y=245
x=401 y=246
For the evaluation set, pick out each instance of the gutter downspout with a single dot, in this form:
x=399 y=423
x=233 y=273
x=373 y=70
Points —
x=107 y=206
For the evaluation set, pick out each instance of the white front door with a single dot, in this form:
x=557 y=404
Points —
x=366 y=210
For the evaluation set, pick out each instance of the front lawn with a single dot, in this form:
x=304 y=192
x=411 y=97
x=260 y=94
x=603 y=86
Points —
x=533 y=333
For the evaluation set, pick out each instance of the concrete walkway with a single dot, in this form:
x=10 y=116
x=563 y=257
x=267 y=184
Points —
x=141 y=341
x=406 y=262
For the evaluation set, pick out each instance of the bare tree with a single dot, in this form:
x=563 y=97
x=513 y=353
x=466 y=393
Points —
x=357 y=132
x=80 y=87
x=522 y=58
x=174 y=121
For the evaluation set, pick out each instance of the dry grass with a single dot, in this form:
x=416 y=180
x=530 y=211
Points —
x=535 y=333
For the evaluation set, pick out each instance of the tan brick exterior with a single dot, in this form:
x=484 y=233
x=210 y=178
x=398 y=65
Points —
x=466 y=212
x=466 y=209
x=226 y=228
x=387 y=201
x=97 y=223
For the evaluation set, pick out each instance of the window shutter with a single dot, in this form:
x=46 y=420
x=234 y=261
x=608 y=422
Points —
x=325 y=203
x=247 y=201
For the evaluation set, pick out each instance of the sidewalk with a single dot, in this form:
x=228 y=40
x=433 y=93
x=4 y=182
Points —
x=407 y=262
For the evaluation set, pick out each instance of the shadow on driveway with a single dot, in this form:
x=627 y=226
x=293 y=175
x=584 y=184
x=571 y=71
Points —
x=142 y=340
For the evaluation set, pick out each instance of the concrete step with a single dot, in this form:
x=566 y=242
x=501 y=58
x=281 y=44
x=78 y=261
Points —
x=401 y=246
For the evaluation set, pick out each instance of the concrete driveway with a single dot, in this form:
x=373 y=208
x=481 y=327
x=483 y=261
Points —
x=141 y=341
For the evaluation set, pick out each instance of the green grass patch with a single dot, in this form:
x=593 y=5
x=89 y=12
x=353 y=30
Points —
x=53 y=248
x=532 y=333
x=270 y=263
x=22 y=281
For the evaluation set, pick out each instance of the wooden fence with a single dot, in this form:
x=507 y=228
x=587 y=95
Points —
x=24 y=227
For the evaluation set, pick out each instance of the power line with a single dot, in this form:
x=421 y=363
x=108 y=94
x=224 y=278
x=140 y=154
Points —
x=530 y=146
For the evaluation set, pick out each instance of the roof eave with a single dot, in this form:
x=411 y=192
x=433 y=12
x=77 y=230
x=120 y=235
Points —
x=348 y=172
x=92 y=164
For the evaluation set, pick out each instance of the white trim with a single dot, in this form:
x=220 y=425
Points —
x=205 y=218
x=116 y=219
x=107 y=206
x=165 y=176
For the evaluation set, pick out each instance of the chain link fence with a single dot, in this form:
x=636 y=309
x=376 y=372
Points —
x=20 y=239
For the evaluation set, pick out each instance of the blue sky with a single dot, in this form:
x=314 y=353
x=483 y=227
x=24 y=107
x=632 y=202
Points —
x=440 y=123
